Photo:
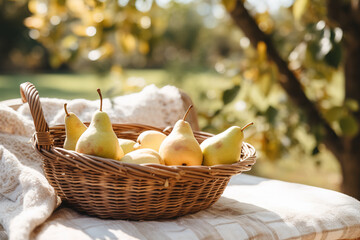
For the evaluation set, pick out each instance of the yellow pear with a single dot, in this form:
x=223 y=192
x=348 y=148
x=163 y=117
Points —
x=223 y=148
x=73 y=129
x=144 y=155
x=150 y=139
x=127 y=145
x=99 y=139
x=181 y=147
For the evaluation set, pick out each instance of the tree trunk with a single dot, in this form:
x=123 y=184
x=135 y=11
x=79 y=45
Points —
x=351 y=174
x=351 y=155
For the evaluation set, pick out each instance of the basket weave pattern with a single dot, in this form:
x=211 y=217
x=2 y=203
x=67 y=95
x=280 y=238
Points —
x=108 y=188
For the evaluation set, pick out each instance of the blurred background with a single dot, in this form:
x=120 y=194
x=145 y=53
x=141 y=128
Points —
x=212 y=50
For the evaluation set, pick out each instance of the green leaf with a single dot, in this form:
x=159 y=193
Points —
x=217 y=112
x=352 y=105
x=334 y=114
x=299 y=8
x=271 y=114
x=230 y=94
x=333 y=57
x=315 y=150
x=348 y=125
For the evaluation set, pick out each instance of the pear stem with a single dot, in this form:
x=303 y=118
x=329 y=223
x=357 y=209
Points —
x=249 y=124
x=67 y=114
x=187 y=112
x=101 y=100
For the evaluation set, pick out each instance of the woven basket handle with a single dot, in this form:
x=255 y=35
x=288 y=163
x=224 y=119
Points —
x=42 y=136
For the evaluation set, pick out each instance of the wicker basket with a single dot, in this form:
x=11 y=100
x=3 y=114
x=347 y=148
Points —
x=107 y=188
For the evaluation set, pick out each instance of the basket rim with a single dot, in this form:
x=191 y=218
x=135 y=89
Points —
x=150 y=170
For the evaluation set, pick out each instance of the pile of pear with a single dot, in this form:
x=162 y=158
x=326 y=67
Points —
x=180 y=147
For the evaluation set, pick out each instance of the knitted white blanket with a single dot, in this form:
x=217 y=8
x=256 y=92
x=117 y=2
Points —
x=26 y=198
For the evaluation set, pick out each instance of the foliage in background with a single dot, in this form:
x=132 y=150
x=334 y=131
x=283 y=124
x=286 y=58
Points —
x=142 y=33
x=17 y=50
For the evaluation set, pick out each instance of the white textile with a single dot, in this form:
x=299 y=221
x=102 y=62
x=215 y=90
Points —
x=250 y=208
x=26 y=198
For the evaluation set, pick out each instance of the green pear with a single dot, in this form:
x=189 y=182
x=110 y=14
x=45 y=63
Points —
x=141 y=156
x=73 y=129
x=223 y=148
x=127 y=145
x=180 y=147
x=99 y=139
x=150 y=139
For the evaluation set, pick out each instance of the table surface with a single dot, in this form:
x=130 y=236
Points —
x=250 y=208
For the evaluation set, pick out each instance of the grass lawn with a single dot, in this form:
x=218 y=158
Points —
x=67 y=86
x=293 y=168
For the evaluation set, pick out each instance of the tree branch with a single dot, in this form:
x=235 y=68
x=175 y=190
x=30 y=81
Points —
x=287 y=80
